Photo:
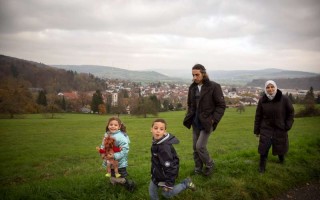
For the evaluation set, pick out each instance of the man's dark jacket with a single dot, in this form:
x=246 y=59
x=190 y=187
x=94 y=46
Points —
x=211 y=105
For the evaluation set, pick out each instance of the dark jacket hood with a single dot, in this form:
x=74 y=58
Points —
x=168 y=139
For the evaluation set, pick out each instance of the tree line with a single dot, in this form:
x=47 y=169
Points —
x=16 y=98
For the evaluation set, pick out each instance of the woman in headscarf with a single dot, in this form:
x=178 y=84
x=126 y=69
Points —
x=273 y=119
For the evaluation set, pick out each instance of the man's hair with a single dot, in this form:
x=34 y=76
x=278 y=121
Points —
x=202 y=70
x=199 y=67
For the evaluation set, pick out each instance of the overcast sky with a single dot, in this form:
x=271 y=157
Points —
x=153 y=34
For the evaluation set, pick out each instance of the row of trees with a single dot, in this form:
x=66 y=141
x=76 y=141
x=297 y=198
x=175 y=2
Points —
x=16 y=98
x=135 y=105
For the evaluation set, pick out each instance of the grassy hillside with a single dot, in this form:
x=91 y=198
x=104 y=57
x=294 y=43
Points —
x=56 y=158
x=51 y=79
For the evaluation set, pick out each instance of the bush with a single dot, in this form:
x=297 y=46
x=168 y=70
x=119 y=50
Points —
x=308 y=112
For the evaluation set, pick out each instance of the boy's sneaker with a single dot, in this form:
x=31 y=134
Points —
x=129 y=185
x=190 y=185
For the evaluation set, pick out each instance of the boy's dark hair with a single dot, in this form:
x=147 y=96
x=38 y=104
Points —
x=160 y=120
x=122 y=126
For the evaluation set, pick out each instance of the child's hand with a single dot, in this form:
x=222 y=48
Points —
x=100 y=150
x=109 y=156
x=166 y=189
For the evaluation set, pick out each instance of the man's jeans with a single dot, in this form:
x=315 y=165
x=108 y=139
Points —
x=200 y=153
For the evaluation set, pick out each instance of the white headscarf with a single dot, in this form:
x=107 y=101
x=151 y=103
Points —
x=270 y=97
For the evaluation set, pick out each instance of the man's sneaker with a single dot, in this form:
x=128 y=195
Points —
x=190 y=185
x=208 y=169
x=198 y=172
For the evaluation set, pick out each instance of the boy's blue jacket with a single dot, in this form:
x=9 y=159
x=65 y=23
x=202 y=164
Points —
x=122 y=140
x=164 y=161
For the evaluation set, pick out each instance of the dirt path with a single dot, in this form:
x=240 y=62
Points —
x=309 y=191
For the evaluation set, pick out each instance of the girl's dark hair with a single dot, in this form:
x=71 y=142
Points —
x=202 y=70
x=160 y=120
x=122 y=126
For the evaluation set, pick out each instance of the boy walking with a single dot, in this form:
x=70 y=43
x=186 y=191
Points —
x=165 y=163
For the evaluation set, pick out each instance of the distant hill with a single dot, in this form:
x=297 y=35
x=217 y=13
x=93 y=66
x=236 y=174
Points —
x=287 y=78
x=291 y=83
x=45 y=77
x=241 y=77
x=236 y=77
x=118 y=73
x=249 y=75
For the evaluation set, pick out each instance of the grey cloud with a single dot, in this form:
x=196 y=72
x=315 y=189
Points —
x=142 y=30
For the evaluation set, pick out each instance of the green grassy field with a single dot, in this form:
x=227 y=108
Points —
x=56 y=158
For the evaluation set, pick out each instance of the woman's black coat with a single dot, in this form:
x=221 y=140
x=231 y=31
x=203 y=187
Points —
x=273 y=120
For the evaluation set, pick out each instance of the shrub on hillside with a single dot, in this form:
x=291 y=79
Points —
x=310 y=109
x=308 y=112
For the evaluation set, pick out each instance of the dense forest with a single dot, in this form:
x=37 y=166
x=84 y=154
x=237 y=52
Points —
x=48 y=78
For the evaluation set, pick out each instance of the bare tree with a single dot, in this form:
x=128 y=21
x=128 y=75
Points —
x=15 y=98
